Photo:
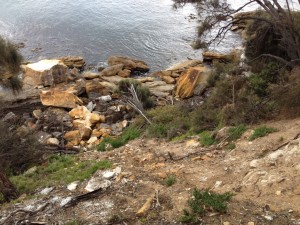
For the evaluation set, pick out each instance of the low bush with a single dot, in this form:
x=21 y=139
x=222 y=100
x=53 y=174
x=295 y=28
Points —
x=143 y=93
x=202 y=202
x=236 y=132
x=206 y=138
x=261 y=132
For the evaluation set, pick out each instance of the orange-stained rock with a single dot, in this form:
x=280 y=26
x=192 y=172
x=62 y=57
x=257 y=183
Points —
x=210 y=56
x=189 y=80
x=59 y=99
x=73 y=61
x=45 y=72
x=73 y=135
x=95 y=88
x=95 y=118
x=124 y=73
x=131 y=64
x=168 y=79
x=112 y=70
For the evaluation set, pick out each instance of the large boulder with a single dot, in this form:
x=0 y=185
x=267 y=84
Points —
x=45 y=72
x=112 y=70
x=73 y=61
x=96 y=88
x=191 y=79
x=181 y=66
x=59 y=99
x=129 y=63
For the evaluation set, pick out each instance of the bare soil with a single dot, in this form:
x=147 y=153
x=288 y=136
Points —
x=263 y=175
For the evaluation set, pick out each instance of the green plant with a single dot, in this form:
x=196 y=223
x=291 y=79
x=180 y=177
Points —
x=261 y=132
x=170 y=180
x=236 y=132
x=203 y=201
x=207 y=139
x=143 y=93
x=128 y=134
x=58 y=170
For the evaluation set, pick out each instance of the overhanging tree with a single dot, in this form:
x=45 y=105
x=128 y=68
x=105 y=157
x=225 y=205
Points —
x=278 y=16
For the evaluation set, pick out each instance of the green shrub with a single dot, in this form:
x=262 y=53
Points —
x=236 y=132
x=170 y=180
x=230 y=146
x=202 y=202
x=57 y=171
x=168 y=121
x=261 y=132
x=207 y=139
x=142 y=92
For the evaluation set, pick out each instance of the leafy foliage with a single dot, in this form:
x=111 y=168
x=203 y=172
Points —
x=170 y=180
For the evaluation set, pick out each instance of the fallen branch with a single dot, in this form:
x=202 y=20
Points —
x=75 y=200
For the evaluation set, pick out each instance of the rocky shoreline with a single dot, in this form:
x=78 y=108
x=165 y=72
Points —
x=79 y=107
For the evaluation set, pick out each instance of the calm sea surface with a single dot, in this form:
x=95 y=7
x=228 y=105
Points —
x=96 y=29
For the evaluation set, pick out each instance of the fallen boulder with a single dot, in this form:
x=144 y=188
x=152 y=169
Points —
x=189 y=80
x=59 y=99
x=45 y=72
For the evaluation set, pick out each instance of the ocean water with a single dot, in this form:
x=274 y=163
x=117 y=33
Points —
x=96 y=29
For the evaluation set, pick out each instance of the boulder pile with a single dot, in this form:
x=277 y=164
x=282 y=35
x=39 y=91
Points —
x=82 y=107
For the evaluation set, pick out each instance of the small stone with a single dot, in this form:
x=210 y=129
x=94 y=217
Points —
x=250 y=223
x=31 y=170
x=53 y=141
x=226 y=223
x=278 y=193
x=72 y=186
x=254 y=163
x=92 y=140
x=37 y=113
x=268 y=217
x=109 y=174
x=291 y=211
x=46 y=191
x=97 y=183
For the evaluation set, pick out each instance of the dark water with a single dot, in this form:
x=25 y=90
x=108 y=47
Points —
x=96 y=29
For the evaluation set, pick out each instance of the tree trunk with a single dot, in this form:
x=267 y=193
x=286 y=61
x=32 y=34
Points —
x=7 y=189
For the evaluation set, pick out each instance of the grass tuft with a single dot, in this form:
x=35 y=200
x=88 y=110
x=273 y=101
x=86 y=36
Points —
x=261 y=132
x=236 y=132
x=170 y=180
x=129 y=134
x=59 y=170
x=206 y=139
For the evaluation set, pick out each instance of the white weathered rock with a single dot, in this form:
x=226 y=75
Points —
x=65 y=201
x=96 y=183
x=45 y=72
x=72 y=186
x=109 y=174
x=46 y=191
